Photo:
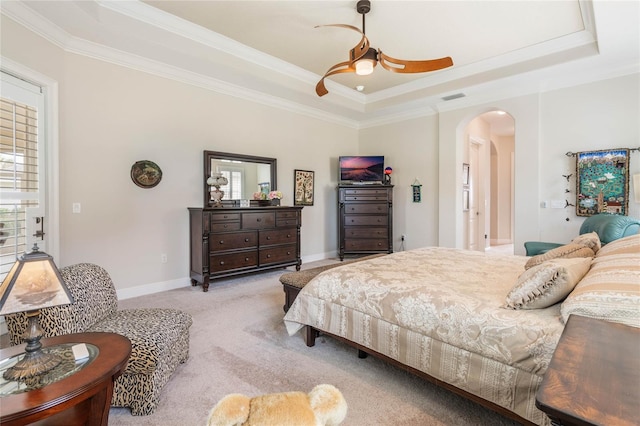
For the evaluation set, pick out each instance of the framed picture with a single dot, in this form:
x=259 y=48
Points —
x=465 y=174
x=303 y=188
x=602 y=183
x=465 y=200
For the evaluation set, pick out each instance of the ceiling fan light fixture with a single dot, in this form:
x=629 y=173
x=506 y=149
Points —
x=365 y=65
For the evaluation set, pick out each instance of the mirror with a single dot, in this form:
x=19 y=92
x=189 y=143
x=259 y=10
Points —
x=246 y=174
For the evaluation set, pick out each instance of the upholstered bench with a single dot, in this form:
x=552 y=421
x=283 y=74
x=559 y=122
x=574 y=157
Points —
x=159 y=336
x=293 y=282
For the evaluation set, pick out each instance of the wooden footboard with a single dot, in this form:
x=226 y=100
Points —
x=310 y=338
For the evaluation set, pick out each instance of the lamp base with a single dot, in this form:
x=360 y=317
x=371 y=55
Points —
x=33 y=364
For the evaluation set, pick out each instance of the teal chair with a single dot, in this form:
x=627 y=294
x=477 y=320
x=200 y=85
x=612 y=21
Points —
x=609 y=227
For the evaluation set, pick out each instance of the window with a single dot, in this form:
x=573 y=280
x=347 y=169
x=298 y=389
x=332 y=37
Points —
x=21 y=168
x=232 y=190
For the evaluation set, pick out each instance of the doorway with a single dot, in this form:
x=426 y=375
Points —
x=490 y=153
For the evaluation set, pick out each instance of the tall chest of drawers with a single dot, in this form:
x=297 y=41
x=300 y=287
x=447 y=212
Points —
x=232 y=241
x=365 y=219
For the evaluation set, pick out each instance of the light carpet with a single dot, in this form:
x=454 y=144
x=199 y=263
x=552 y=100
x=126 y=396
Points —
x=239 y=345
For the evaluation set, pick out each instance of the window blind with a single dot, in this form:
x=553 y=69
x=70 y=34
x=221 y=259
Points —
x=19 y=180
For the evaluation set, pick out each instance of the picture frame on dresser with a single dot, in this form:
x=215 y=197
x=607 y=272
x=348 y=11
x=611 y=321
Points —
x=303 y=185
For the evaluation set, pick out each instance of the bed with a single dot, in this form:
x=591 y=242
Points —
x=471 y=321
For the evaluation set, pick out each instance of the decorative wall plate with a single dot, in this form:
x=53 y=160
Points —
x=146 y=174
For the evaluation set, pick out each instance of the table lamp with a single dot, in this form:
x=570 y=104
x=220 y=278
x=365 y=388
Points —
x=33 y=283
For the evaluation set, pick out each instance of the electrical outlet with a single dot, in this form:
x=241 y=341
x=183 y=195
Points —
x=403 y=237
x=76 y=207
x=163 y=258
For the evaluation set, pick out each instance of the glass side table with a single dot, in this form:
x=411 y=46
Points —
x=66 y=368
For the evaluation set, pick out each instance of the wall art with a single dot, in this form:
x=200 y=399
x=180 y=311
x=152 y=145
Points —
x=602 y=183
x=303 y=188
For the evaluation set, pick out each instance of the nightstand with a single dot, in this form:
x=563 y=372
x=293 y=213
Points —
x=594 y=375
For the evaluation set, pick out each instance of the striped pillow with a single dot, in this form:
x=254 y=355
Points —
x=610 y=290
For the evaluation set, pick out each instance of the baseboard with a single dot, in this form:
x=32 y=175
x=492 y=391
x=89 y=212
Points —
x=500 y=242
x=143 y=290
x=151 y=288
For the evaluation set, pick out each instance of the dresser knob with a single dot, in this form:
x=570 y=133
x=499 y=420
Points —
x=288 y=235
x=288 y=253
x=246 y=259
x=221 y=241
x=268 y=238
x=268 y=256
x=258 y=220
x=222 y=262
x=246 y=240
x=225 y=225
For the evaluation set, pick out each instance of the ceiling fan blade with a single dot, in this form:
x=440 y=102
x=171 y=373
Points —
x=360 y=49
x=321 y=90
x=402 y=66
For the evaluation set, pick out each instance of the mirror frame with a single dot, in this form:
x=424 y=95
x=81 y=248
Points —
x=209 y=155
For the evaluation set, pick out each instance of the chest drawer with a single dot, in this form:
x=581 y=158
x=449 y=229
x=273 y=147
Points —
x=365 y=208
x=229 y=261
x=278 y=254
x=262 y=220
x=355 y=220
x=366 y=244
x=279 y=236
x=356 y=232
x=232 y=240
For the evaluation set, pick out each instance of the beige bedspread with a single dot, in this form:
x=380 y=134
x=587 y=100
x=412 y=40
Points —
x=439 y=310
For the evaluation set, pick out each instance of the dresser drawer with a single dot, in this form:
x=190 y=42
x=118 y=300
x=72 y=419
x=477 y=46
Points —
x=232 y=240
x=358 y=232
x=366 y=244
x=225 y=226
x=224 y=217
x=354 y=220
x=286 y=215
x=278 y=254
x=262 y=220
x=226 y=262
x=279 y=236
x=378 y=208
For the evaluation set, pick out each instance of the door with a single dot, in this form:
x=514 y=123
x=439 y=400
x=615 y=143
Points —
x=22 y=170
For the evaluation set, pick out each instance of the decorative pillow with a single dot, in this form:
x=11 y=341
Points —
x=630 y=244
x=544 y=285
x=566 y=251
x=590 y=239
x=610 y=290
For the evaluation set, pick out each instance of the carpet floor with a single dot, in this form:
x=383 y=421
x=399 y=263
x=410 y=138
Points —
x=239 y=345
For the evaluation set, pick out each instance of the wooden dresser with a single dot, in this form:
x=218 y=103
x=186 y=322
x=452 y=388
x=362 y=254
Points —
x=229 y=241
x=365 y=219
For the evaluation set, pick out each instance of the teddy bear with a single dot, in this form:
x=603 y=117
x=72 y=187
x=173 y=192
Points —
x=324 y=405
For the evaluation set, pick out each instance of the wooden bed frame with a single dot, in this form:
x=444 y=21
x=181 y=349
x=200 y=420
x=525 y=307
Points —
x=310 y=340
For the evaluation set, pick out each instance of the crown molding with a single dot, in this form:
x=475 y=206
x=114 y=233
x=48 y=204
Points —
x=346 y=107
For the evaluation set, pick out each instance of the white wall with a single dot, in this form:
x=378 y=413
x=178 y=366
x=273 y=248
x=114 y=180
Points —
x=411 y=149
x=596 y=116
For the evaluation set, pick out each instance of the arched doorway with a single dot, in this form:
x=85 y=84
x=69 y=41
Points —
x=490 y=154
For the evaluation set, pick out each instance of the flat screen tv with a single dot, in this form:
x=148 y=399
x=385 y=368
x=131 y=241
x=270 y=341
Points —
x=363 y=169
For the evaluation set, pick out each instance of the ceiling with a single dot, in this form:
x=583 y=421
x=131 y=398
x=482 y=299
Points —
x=271 y=52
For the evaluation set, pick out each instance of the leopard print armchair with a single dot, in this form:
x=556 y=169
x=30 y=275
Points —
x=159 y=337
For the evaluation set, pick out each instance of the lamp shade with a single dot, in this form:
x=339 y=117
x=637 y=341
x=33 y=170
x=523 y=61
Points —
x=217 y=179
x=33 y=282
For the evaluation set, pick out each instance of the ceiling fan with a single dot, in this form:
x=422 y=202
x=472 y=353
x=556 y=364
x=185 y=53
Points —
x=363 y=58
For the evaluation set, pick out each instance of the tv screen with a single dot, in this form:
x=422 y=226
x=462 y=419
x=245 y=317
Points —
x=361 y=169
